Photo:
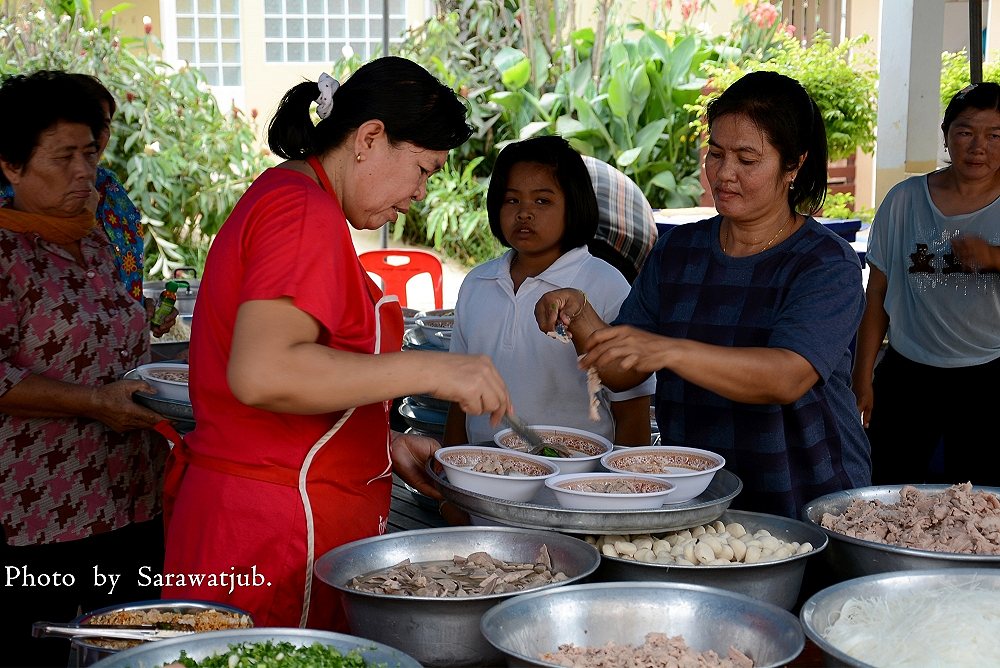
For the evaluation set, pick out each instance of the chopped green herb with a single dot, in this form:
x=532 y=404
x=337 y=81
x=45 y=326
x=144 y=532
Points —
x=551 y=452
x=269 y=654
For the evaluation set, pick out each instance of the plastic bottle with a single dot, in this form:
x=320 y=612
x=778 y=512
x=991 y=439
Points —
x=166 y=301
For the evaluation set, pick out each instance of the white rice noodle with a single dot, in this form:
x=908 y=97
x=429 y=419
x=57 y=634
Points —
x=955 y=626
x=593 y=382
x=593 y=387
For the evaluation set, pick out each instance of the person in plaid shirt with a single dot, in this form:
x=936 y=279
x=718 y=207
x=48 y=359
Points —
x=626 y=230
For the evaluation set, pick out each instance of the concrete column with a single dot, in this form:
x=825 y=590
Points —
x=910 y=45
x=991 y=21
x=864 y=19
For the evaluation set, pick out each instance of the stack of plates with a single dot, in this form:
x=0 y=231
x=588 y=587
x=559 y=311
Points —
x=416 y=339
x=424 y=414
x=410 y=317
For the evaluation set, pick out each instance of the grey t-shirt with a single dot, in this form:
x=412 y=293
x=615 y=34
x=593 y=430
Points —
x=939 y=315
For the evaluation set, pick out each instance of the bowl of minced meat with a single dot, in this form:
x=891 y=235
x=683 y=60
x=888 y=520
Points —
x=906 y=527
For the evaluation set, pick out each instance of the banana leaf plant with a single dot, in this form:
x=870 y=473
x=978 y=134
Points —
x=637 y=114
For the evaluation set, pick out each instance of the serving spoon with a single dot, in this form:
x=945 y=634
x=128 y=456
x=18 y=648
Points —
x=49 y=629
x=534 y=440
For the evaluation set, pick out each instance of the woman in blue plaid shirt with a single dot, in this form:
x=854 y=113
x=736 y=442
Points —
x=748 y=318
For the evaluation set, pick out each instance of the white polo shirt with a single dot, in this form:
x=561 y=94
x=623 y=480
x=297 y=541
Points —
x=546 y=385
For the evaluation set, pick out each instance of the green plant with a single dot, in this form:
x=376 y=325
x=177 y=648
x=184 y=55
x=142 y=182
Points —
x=843 y=205
x=635 y=114
x=955 y=74
x=184 y=161
x=454 y=215
x=841 y=79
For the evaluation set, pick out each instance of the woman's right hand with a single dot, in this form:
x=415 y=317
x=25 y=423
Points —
x=473 y=383
x=560 y=305
x=112 y=405
x=865 y=396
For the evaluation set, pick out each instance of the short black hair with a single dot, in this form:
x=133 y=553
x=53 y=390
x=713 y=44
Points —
x=31 y=104
x=783 y=110
x=572 y=175
x=985 y=95
x=412 y=104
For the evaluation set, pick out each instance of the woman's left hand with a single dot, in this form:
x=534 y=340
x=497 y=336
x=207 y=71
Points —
x=975 y=253
x=625 y=347
x=410 y=453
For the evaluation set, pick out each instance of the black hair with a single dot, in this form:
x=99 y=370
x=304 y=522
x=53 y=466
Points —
x=572 y=175
x=413 y=105
x=792 y=123
x=31 y=104
x=985 y=95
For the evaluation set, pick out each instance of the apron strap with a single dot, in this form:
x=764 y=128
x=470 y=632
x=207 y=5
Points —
x=185 y=456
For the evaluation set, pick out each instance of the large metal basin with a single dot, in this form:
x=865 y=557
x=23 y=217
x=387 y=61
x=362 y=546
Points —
x=441 y=631
x=202 y=645
x=822 y=609
x=89 y=651
x=591 y=615
x=851 y=557
x=775 y=582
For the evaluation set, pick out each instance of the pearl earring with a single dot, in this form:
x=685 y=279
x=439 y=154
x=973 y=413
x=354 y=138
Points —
x=358 y=159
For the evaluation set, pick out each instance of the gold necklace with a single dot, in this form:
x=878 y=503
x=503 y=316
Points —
x=725 y=242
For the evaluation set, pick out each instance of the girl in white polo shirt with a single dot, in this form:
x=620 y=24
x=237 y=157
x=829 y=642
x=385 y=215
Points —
x=542 y=206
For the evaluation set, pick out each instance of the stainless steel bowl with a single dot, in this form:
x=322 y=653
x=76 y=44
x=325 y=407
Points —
x=775 y=582
x=441 y=631
x=88 y=651
x=821 y=610
x=590 y=615
x=851 y=557
x=207 y=644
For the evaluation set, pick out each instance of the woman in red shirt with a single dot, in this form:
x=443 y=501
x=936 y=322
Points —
x=295 y=352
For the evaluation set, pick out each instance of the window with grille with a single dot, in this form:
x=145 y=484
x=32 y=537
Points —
x=307 y=31
x=208 y=37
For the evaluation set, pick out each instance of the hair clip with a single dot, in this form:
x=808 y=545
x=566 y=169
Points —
x=965 y=91
x=327 y=87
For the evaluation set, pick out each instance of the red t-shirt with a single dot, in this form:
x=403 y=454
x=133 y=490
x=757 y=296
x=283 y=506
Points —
x=285 y=238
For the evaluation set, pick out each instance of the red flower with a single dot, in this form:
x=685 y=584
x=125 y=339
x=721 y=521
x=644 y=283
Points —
x=689 y=8
x=253 y=112
x=130 y=96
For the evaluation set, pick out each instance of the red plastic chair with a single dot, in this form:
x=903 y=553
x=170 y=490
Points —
x=396 y=266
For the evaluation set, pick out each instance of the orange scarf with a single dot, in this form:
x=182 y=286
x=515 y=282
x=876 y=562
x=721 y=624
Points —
x=51 y=228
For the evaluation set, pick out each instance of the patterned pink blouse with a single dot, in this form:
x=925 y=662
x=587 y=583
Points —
x=67 y=478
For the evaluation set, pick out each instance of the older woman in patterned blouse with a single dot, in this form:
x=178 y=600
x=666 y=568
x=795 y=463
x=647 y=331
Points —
x=79 y=473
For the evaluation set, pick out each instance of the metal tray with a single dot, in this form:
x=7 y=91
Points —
x=179 y=412
x=543 y=512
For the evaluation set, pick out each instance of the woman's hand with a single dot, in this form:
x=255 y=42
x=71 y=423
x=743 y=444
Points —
x=975 y=253
x=865 y=396
x=562 y=305
x=625 y=347
x=472 y=382
x=166 y=325
x=410 y=453
x=112 y=404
